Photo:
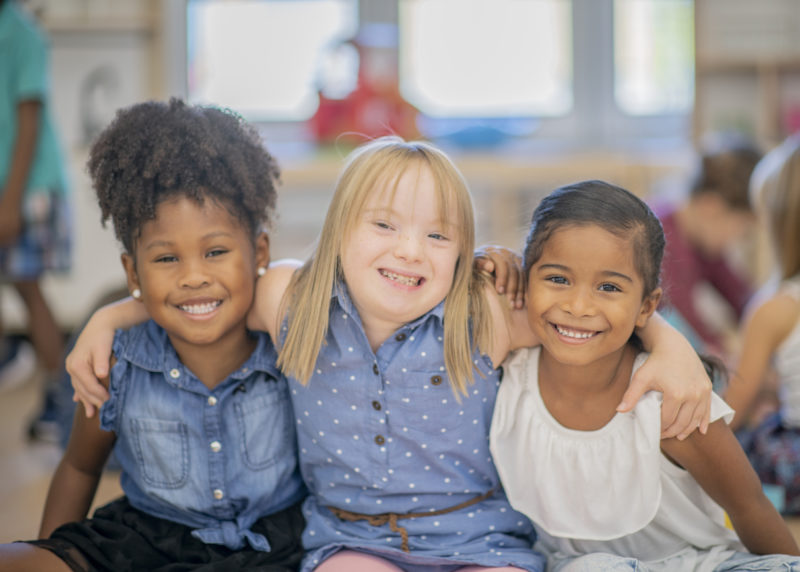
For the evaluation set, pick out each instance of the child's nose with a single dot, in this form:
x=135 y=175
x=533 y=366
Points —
x=579 y=302
x=194 y=274
x=408 y=247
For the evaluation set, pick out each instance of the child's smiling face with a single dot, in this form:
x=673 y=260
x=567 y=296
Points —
x=585 y=295
x=196 y=266
x=400 y=258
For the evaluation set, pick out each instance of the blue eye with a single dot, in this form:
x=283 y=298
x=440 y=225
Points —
x=557 y=279
x=437 y=236
x=166 y=258
x=383 y=225
x=217 y=252
x=609 y=288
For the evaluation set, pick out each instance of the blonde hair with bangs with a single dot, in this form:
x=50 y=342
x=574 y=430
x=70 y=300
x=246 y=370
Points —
x=777 y=192
x=370 y=168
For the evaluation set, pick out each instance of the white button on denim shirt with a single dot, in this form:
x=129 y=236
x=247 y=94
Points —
x=215 y=460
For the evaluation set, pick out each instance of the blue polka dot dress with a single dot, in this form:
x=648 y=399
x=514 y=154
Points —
x=384 y=433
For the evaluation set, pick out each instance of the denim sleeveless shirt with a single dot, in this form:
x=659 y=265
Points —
x=383 y=432
x=215 y=460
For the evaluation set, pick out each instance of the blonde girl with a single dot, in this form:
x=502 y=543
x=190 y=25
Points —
x=771 y=332
x=390 y=340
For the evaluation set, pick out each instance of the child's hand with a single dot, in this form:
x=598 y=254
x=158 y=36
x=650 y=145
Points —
x=88 y=361
x=506 y=267
x=674 y=369
x=687 y=393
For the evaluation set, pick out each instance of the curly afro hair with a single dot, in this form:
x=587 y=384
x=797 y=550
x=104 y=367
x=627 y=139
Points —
x=153 y=151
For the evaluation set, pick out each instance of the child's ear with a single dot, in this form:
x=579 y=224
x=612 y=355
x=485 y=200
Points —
x=132 y=277
x=262 y=250
x=649 y=305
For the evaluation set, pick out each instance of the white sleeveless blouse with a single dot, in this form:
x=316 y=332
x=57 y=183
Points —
x=787 y=364
x=608 y=490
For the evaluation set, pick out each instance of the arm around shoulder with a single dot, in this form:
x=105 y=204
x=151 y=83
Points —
x=675 y=369
x=88 y=361
x=510 y=327
x=268 y=307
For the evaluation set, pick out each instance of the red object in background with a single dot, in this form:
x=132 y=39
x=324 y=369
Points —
x=370 y=110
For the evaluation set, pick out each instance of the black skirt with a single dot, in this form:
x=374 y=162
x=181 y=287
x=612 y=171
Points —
x=121 y=538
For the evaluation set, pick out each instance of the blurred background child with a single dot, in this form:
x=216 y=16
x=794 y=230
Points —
x=700 y=232
x=771 y=335
x=34 y=202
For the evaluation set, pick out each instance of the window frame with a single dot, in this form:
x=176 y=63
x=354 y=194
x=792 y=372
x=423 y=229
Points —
x=595 y=121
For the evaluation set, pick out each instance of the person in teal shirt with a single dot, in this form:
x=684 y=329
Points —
x=34 y=208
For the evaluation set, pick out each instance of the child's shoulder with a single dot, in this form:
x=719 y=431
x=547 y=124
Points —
x=145 y=337
x=777 y=316
x=523 y=359
x=265 y=355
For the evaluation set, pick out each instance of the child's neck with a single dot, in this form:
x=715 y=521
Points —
x=377 y=333
x=585 y=397
x=213 y=363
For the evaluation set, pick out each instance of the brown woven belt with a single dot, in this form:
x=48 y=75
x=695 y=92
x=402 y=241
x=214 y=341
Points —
x=393 y=517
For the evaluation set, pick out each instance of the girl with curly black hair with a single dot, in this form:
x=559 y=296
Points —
x=199 y=413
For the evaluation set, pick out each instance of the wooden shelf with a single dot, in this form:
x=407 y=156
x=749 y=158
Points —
x=103 y=25
x=747 y=68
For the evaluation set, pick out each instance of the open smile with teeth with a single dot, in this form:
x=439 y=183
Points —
x=576 y=334
x=205 y=308
x=401 y=279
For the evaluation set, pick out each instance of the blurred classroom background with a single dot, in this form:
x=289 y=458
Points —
x=524 y=95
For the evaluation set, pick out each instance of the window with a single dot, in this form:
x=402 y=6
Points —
x=579 y=72
x=238 y=53
x=653 y=56
x=590 y=71
x=486 y=58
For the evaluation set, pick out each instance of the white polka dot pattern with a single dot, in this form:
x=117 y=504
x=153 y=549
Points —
x=385 y=434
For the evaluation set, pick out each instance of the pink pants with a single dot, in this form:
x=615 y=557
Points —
x=352 y=561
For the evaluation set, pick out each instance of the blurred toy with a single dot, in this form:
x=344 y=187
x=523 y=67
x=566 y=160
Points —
x=373 y=108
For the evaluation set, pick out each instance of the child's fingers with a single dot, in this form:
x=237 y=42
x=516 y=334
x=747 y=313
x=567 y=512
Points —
x=520 y=301
x=673 y=420
x=87 y=389
x=88 y=408
x=484 y=263
x=501 y=278
x=636 y=388
x=91 y=401
x=685 y=420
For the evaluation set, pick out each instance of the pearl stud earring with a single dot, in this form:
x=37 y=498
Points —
x=136 y=293
x=261 y=271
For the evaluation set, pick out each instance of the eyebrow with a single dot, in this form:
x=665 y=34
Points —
x=606 y=273
x=167 y=243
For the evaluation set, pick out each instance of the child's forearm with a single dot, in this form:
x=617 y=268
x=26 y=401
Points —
x=69 y=498
x=658 y=334
x=122 y=314
x=763 y=531
x=675 y=369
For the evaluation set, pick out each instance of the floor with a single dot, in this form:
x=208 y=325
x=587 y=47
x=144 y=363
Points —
x=25 y=467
